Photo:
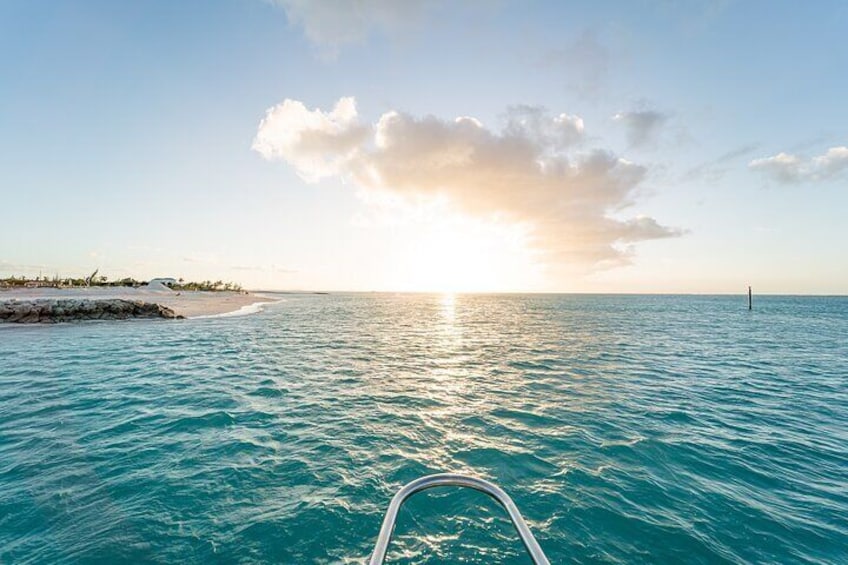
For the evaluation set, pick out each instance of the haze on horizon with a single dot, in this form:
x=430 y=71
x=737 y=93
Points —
x=428 y=146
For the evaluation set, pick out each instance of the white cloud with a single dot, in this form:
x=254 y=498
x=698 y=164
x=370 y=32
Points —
x=832 y=162
x=642 y=126
x=333 y=23
x=792 y=169
x=528 y=173
x=314 y=142
x=535 y=123
x=782 y=167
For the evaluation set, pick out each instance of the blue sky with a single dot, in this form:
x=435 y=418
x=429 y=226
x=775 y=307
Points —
x=614 y=147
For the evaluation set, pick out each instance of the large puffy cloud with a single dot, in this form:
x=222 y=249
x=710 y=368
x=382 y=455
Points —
x=792 y=169
x=528 y=173
x=535 y=122
x=317 y=144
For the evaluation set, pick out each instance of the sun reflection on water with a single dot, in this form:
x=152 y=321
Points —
x=449 y=307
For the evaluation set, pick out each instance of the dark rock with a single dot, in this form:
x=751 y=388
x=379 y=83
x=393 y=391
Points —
x=69 y=310
x=30 y=318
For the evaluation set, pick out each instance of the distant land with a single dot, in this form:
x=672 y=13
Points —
x=96 y=280
x=41 y=300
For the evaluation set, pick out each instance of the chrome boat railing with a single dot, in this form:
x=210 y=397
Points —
x=450 y=479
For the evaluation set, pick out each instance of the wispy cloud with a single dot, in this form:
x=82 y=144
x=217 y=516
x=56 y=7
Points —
x=641 y=126
x=264 y=269
x=331 y=24
x=713 y=171
x=585 y=63
x=526 y=173
x=9 y=268
x=201 y=257
x=788 y=168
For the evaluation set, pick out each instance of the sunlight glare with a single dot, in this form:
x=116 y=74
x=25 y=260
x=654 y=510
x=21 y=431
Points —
x=465 y=255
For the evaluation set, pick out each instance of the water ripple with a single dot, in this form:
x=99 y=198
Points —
x=628 y=429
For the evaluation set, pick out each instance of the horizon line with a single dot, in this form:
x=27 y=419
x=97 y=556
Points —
x=551 y=292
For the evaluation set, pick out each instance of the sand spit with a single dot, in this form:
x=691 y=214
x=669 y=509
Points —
x=118 y=303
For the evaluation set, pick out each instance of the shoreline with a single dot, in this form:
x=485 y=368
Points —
x=188 y=304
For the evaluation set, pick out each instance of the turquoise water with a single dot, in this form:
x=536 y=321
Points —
x=628 y=429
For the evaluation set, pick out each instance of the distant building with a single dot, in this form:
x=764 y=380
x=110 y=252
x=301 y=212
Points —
x=164 y=283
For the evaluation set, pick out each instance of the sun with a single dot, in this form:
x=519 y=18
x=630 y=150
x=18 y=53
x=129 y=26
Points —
x=461 y=254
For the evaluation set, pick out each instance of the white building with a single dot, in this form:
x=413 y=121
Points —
x=164 y=283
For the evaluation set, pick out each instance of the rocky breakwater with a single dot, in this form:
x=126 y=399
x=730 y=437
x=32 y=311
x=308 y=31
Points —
x=52 y=311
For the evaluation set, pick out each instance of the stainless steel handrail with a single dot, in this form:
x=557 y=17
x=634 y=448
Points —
x=451 y=479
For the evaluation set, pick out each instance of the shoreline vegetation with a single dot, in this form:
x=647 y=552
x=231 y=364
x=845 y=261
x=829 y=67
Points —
x=100 y=281
x=41 y=300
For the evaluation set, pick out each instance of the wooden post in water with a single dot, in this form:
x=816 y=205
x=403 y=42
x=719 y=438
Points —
x=750 y=301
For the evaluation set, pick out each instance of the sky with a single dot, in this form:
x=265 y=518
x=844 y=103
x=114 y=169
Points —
x=480 y=146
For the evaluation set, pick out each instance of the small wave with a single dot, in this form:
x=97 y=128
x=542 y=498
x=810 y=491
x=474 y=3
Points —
x=254 y=308
x=622 y=442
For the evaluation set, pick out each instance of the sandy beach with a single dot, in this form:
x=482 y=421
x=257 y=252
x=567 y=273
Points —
x=191 y=304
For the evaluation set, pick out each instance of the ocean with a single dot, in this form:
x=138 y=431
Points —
x=627 y=429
